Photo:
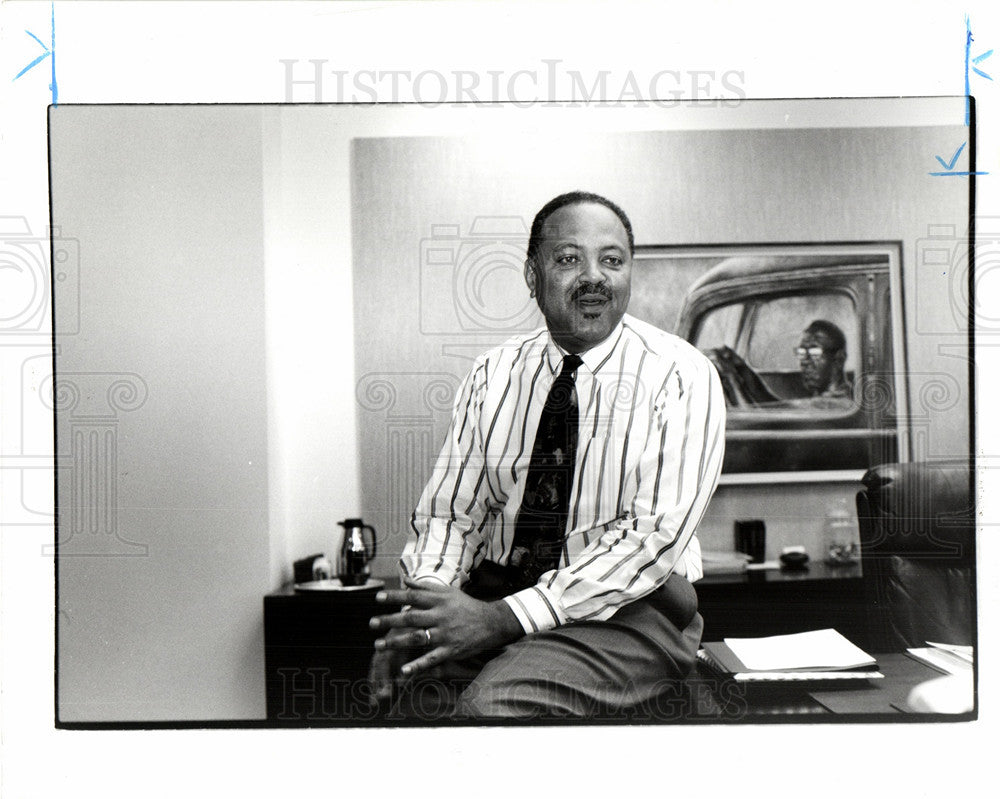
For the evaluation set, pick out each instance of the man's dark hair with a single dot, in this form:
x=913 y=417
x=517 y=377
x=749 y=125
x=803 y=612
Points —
x=572 y=198
x=831 y=331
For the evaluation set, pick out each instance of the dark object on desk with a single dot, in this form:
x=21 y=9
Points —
x=902 y=675
x=355 y=552
x=794 y=561
x=749 y=537
x=302 y=570
x=918 y=553
x=779 y=601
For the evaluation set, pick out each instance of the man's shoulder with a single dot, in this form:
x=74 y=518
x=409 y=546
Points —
x=521 y=346
x=661 y=344
x=658 y=344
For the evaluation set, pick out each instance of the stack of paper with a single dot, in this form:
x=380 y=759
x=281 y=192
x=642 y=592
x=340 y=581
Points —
x=949 y=658
x=815 y=655
x=723 y=562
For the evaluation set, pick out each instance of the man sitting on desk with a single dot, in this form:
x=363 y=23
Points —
x=554 y=548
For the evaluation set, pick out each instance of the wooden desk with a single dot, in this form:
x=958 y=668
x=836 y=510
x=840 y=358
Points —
x=778 y=602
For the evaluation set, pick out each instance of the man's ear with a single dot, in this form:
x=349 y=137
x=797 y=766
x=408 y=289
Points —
x=529 y=275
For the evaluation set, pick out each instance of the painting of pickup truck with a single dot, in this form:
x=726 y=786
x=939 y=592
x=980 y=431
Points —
x=808 y=343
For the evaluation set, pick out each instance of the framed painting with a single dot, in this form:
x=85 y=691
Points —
x=809 y=344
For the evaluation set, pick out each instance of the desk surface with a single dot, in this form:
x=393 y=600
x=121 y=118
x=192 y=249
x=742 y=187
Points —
x=871 y=700
x=817 y=570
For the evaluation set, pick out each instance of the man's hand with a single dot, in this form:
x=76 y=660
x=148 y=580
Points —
x=447 y=623
x=740 y=383
x=383 y=673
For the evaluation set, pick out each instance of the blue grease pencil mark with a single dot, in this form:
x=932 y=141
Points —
x=38 y=60
x=54 y=86
x=979 y=58
x=954 y=158
x=968 y=45
x=50 y=51
x=37 y=40
x=950 y=166
x=968 y=65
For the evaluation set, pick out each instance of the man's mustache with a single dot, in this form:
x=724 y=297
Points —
x=591 y=289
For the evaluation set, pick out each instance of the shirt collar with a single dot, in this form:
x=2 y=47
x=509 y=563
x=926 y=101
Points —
x=593 y=358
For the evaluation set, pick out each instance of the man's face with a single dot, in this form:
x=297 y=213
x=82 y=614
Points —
x=818 y=370
x=582 y=277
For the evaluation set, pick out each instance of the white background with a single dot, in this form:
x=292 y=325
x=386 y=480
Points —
x=230 y=52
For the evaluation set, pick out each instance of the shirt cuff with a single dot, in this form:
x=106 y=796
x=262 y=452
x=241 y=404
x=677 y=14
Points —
x=536 y=609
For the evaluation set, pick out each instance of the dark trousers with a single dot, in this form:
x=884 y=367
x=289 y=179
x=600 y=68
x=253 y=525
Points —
x=589 y=669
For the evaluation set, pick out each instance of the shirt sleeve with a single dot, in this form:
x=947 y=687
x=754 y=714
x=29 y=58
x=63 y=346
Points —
x=677 y=474
x=448 y=520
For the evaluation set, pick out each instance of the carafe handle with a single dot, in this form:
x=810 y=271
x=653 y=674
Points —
x=364 y=527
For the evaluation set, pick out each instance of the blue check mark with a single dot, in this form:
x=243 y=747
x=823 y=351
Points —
x=954 y=158
x=38 y=60
x=979 y=58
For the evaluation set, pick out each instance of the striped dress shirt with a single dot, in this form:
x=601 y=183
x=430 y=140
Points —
x=649 y=453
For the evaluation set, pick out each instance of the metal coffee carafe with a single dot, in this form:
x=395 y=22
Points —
x=355 y=553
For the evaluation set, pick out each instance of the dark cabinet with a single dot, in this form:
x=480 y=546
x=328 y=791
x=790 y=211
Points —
x=779 y=602
x=317 y=648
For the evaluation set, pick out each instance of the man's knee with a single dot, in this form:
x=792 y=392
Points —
x=578 y=671
x=687 y=653
x=519 y=699
x=677 y=600
x=481 y=700
x=525 y=682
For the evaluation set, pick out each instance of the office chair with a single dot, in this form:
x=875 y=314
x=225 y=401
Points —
x=918 y=554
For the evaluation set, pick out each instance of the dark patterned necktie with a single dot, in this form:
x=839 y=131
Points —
x=541 y=521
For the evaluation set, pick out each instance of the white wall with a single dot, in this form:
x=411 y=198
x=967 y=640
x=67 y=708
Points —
x=310 y=334
x=162 y=489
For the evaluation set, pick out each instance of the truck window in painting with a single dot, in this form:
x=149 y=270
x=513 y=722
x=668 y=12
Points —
x=806 y=347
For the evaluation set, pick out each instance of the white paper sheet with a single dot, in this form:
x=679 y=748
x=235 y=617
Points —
x=816 y=649
x=943 y=659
